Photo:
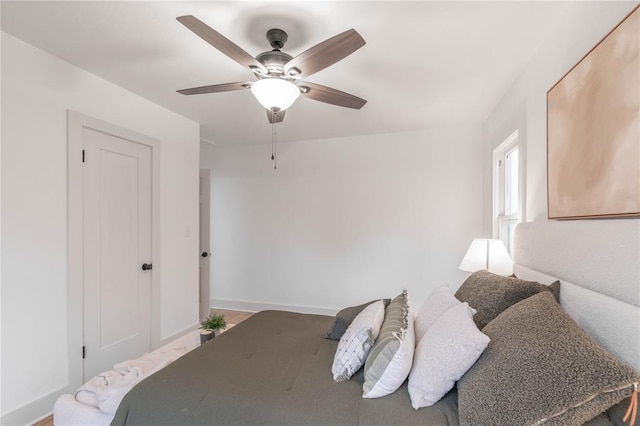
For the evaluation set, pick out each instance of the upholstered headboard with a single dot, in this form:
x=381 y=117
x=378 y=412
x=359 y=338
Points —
x=598 y=264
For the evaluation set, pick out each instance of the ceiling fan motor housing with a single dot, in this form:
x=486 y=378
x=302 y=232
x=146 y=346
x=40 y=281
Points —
x=274 y=61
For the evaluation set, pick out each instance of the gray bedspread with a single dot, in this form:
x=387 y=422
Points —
x=272 y=369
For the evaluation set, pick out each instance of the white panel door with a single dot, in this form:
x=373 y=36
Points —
x=117 y=242
x=205 y=253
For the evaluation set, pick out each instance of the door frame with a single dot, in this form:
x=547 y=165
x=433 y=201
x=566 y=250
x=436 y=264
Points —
x=205 y=184
x=76 y=122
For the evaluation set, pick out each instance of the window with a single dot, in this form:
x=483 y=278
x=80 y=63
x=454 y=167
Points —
x=506 y=193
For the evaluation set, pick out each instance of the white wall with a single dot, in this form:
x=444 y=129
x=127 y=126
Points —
x=37 y=91
x=524 y=106
x=343 y=220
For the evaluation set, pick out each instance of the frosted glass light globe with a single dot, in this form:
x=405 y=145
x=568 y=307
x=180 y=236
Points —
x=275 y=93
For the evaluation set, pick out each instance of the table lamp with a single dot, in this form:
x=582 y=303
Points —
x=490 y=255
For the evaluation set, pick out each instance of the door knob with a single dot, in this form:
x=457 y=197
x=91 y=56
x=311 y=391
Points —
x=205 y=254
x=146 y=266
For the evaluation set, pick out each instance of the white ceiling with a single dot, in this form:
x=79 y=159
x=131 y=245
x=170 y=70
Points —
x=424 y=64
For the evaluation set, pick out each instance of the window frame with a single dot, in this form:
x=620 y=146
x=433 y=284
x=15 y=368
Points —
x=502 y=223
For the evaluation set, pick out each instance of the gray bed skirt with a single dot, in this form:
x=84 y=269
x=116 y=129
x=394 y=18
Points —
x=272 y=369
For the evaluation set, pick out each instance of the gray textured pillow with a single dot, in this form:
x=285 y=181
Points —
x=554 y=288
x=615 y=414
x=345 y=317
x=541 y=366
x=490 y=294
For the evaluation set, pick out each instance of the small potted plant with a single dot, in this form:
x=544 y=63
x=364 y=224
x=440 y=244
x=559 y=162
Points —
x=212 y=326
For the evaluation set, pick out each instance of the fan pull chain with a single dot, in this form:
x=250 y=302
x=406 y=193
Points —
x=275 y=146
x=274 y=135
x=273 y=127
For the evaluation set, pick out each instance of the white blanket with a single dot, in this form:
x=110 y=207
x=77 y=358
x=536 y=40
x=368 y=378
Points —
x=106 y=390
x=96 y=402
x=69 y=412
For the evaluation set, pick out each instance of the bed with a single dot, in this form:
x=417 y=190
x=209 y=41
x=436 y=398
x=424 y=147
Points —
x=275 y=368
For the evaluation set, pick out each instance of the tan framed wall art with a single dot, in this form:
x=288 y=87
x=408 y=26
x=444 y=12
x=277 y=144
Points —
x=593 y=130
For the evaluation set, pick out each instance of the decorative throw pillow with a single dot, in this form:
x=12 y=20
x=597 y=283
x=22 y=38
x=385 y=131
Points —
x=616 y=414
x=541 y=367
x=554 y=288
x=491 y=294
x=345 y=317
x=356 y=342
x=437 y=303
x=447 y=350
x=389 y=361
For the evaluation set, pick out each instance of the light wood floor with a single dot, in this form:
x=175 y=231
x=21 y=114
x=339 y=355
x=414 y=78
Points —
x=232 y=317
x=47 y=421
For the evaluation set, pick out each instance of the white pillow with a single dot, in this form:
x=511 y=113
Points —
x=447 y=350
x=356 y=342
x=437 y=303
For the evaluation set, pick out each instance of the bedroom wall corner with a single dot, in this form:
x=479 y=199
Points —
x=343 y=220
x=37 y=91
x=523 y=107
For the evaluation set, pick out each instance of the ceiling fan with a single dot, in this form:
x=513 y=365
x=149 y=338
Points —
x=279 y=74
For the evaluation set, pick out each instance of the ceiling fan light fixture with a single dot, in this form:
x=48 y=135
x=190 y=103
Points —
x=275 y=93
x=278 y=72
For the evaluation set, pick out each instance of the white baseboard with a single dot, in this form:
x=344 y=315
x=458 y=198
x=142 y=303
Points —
x=35 y=410
x=174 y=336
x=241 y=305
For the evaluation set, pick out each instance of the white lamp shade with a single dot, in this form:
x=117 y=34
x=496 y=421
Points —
x=490 y=255
x=275 y=93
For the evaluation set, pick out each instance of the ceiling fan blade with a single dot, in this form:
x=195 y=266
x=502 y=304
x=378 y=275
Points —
x=221 y=43
x=324 y=54
x=215 y=88
x=328 y=95
x=275 y=117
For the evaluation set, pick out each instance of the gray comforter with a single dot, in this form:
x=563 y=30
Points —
x=273 y=369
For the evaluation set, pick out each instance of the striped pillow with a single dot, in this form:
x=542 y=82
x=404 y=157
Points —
x=390 y=360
